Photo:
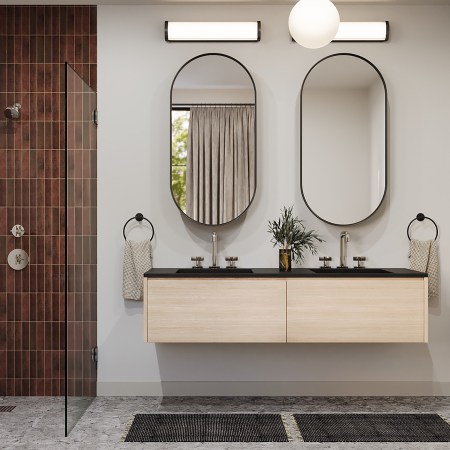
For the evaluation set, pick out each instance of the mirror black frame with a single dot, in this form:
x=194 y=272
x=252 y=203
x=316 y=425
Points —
x=386 y=132
x=256 y=138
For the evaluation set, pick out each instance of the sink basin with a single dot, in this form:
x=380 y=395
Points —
x=350 y=270
x=215 y=271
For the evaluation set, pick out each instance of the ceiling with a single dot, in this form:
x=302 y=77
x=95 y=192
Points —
x=217 y=2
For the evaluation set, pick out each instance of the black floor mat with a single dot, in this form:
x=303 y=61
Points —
x=373 y=427
x=7 y=408
x=207 y=428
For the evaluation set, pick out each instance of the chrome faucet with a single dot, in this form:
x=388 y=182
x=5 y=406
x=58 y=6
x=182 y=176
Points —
x=343 y=258
x=214 y=251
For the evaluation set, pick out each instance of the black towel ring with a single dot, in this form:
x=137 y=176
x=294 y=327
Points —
x=421 y=217
x=139 y=217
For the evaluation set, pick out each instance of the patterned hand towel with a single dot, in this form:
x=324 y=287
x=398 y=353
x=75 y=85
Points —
x=136 y=261
x=423 y=256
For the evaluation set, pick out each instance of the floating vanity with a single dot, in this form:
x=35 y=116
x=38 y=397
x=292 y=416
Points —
x=301 y=306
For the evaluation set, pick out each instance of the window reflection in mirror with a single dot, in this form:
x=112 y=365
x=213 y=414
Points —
x=213 y=139
x=180 y=126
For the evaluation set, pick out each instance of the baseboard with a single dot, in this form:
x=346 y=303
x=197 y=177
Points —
x=274 y=388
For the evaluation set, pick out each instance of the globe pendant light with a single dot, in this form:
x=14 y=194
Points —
x=314 y=23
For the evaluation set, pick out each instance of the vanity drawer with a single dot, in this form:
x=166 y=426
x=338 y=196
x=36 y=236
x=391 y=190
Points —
x=357 y=310
x=215 y=310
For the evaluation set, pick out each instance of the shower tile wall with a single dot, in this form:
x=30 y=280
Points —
x=35 y=42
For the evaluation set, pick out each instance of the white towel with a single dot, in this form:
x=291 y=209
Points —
x=423 y=256
x=137 y=260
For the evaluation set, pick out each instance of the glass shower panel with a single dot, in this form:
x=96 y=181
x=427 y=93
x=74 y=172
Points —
x=81 y=247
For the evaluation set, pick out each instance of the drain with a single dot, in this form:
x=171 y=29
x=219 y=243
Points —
x=6 y=408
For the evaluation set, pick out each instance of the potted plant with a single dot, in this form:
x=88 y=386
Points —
x=289 y=233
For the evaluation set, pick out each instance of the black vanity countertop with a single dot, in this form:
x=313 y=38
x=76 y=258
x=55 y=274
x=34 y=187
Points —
x=295 y=273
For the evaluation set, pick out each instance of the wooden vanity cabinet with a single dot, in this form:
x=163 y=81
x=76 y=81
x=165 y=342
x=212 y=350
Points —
x=357 y=310
x=215 y=310
x=293 y=310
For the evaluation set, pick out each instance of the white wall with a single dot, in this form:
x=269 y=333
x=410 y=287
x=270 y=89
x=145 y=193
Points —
x=135 y=71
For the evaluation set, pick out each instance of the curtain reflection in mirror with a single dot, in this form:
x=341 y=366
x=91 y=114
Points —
x=220 y=163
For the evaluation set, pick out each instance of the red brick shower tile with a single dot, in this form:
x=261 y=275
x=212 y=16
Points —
x=40 y=336
x=56 y=22
x=48 y=103
x=48 y=392
x=33 y=368
x=3 y=20
x=10 y=191
x=62 y=19
x=78 y=221
x=3 y=346
x=47 y=67
x=47 y=346
x=3 y=47
x=40 y=20
x=9 y=50
x=3 y=192
x=25 y=22
x=17 y=57
x=55 y=330
x=3 y=309
x=10 y=20
x=2 y=365
x=10 y=284
x=48 y=192
x=25 y=50
x=25 y=139
x=10 y=318
x=55 y=192
x=25 y=308
x=78 y=20
x=10 y=364
x=78 y=48
x=25 y=193
x=40 y=363
x=41 y=278
x=18 y=314
x=70 y=50
x=18 y=11
x=40 y=53
x=70 y=20
x=48 y=21
x=25 y=336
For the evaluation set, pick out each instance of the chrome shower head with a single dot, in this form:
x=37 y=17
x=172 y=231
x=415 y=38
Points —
x=13 y=112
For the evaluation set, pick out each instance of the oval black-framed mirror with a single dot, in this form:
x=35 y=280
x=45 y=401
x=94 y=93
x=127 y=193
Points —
x=343 y=144
x=213 y=139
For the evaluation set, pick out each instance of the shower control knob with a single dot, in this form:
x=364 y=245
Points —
x=18 y=230
x=18 y=259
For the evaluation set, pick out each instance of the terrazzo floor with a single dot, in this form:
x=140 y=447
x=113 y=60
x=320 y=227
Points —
x=38 y=422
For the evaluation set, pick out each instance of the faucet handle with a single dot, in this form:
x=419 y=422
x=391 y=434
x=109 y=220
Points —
x=326 y=261
x=231 y=260
x=360 y=259
x=198 y=261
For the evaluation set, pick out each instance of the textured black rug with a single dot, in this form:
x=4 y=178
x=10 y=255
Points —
x=207 y=428
x=373 y=427
x=7 y=408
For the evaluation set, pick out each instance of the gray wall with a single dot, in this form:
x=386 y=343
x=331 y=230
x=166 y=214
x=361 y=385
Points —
x=135 y=70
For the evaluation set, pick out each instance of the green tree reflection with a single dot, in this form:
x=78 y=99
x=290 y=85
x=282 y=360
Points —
x=180 y=124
